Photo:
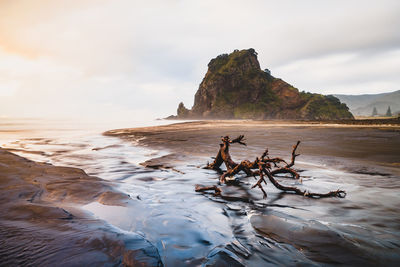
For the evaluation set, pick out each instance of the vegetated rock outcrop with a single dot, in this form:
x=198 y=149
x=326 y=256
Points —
x=235 y=87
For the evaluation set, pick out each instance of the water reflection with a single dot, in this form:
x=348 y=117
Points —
x=193 y=229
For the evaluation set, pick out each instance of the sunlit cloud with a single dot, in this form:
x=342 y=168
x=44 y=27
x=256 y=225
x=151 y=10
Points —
x=110 y=58
x=345 y=73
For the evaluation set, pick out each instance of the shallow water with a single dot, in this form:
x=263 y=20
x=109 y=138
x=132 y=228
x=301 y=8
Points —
x=190 y=228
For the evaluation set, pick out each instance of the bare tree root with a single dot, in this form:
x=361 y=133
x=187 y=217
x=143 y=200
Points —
x=294 y=155
x=294 y=174
x=263 y=166
x=245 y=166
x=338 y=193
x=216 y=189
x=223 y=155
x=261 y=180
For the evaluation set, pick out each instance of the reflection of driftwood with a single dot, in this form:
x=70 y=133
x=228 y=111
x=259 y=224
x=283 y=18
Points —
x=261 y=167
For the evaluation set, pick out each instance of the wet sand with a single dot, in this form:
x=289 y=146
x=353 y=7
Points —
x=42 y=224
x=362 y=229
x=149 y=213
x=325 y=143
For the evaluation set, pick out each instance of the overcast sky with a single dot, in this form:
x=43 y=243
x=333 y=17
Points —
x=138 y=59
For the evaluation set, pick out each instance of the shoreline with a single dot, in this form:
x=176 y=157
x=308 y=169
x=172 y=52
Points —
x=362 y=160
x=42 y=202
x=171 y=217
x=180 y=138
x=189 y=125
x=361 y=121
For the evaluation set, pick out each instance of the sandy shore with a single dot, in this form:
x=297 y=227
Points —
x=364 y=160
x=321 y=140
x=42 y=223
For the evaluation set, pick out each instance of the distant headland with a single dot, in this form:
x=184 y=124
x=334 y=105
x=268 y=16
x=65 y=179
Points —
x=235 y=87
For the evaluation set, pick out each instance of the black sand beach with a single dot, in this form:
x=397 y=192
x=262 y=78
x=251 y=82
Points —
x=148 y=213
x=41 y=223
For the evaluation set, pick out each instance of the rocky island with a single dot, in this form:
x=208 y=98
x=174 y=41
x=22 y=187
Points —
x=235 y=87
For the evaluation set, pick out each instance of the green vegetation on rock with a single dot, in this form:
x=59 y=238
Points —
x=235 y=87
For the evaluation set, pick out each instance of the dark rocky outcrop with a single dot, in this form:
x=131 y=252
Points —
x=235 y=87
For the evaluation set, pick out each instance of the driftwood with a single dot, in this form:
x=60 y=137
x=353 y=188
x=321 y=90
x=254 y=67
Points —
x=263 y=167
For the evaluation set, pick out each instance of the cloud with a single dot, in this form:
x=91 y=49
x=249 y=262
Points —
x=345 y=73
x=107 y=58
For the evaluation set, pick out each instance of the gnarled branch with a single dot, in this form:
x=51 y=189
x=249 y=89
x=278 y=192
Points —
x=259 y=167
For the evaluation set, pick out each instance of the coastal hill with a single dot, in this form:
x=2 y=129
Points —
x=235 y=87
x=363 y=105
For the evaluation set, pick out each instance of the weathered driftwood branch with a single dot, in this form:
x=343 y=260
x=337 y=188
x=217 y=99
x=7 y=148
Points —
x=261 y=167
x=223 y=155
x=337 y=193
x=207 y=188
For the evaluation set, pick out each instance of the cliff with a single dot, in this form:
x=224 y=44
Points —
x=235 y=87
